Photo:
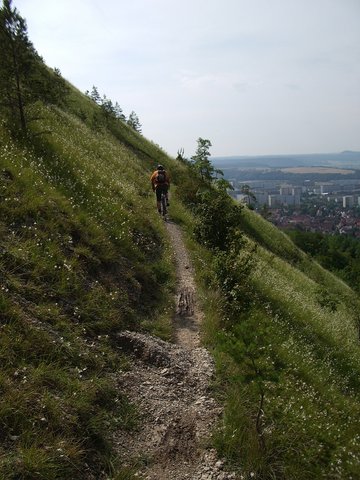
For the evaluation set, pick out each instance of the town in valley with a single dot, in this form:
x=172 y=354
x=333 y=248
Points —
x=320 y=193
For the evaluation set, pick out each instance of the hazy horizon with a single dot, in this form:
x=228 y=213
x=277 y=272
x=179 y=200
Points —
x=344 y=152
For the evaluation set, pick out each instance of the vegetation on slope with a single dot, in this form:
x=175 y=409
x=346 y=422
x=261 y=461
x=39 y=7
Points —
x=83 y=255
x=285 y=337
x=337 y=253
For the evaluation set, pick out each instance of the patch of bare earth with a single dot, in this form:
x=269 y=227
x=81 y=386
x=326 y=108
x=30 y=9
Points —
x=170 y=383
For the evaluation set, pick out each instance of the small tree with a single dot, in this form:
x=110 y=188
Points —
x=107 y=107
x=246 y=343
x=223 y=184
x=119 y=114
x=17 y=64
x=24 y=78
x=218 y=219
x=94 y=95
x=202 y=163
x=245 y=190
x=265 y=211
x=134 y=122
x=201 y=160
x=180 y=155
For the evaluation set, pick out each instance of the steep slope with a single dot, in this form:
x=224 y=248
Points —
x=83 y=254
x=84 y=257
x=287 y=350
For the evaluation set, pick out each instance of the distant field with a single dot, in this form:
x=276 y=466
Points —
x=324 y=170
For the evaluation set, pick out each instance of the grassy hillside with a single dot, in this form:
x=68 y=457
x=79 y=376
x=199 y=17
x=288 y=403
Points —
x=84 y=254
x=287 y=349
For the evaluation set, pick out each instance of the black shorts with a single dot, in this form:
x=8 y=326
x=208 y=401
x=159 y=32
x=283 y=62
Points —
x=159 y=190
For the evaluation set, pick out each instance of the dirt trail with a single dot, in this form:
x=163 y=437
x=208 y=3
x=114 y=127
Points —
x=188 y=314
x=171 y=384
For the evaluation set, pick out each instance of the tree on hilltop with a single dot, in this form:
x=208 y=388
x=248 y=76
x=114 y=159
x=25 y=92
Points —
x=119 y=112
x=133 y=122
x=202 y=163
x=110 y=109
x=201 y=160
x=16 y=63
x=107 y=107
x=24 y=77
x=94 y=95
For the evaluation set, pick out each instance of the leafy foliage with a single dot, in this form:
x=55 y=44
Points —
x=218 y=219
x=285 y=337
x=337 y=253
x=201 y=161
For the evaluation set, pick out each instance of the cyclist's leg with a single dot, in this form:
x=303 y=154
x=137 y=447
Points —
x=163 y=202
x=158 y=198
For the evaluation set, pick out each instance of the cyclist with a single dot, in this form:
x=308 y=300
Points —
x=160 y=182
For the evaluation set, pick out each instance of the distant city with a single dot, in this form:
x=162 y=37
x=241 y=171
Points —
x=323 y=198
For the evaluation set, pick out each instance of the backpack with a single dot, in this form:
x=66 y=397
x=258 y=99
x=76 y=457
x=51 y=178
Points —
x=161 y=176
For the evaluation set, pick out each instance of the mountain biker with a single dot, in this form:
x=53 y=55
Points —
x=160 y=182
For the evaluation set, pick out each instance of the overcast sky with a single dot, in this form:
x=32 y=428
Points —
x=252 y=76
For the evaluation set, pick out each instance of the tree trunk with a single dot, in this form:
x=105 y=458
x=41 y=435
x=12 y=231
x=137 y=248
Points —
x=259 y=428
x=20 y=103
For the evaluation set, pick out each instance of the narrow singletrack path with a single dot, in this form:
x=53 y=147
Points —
x=170 y=382
x=188 y=313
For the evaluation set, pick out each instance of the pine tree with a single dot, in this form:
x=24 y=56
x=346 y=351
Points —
x=134 y=122
x=107 y=107
x=95 y=96
x=119 y=112
x=24 y=77
x=17 y=64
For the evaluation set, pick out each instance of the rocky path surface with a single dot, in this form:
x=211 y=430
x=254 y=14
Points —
x=170 y=382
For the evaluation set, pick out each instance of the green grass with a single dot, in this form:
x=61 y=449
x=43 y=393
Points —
x=298 y=343
x=83 y=255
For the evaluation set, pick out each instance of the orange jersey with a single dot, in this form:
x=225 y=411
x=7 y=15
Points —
x=154 y=181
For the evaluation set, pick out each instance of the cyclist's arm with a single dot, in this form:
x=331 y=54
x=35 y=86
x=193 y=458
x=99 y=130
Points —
x=152 y=180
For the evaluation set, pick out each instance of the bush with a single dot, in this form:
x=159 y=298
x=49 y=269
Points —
x=218 y=220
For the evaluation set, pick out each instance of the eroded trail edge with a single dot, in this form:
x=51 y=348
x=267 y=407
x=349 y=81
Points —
x=170 y=383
